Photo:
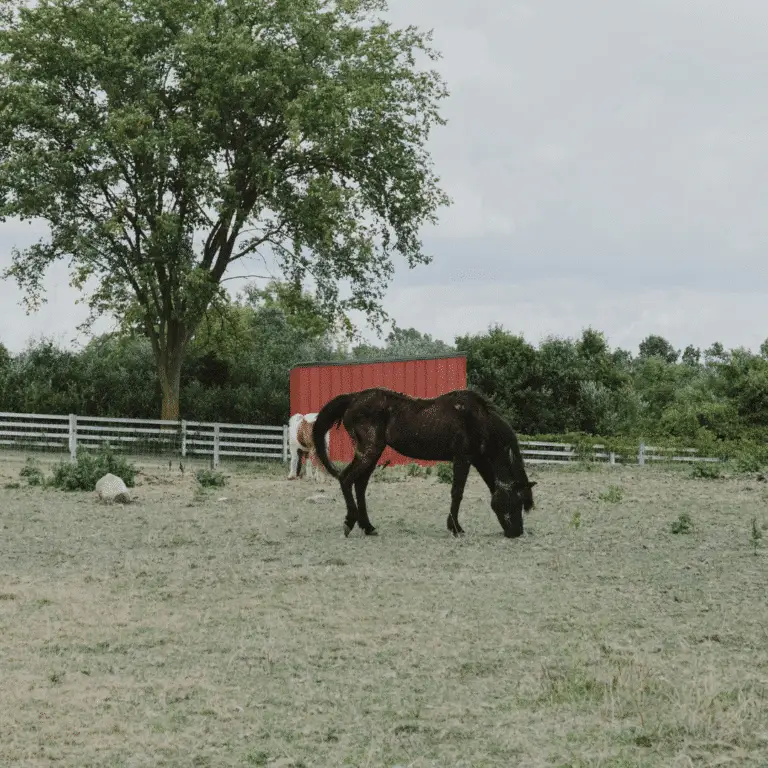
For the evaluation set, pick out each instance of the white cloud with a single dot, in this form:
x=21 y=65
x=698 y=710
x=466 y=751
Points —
x=557 y=307
x=607 y=163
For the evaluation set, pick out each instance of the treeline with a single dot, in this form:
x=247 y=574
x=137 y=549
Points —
x=236 y=369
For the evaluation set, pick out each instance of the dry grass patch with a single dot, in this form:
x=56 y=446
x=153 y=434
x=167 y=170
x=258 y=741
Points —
x=236 y=625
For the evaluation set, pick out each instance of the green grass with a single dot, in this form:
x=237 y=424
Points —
x=242 y=628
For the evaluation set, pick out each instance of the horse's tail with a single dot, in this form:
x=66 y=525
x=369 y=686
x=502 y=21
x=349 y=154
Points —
x=330 y=414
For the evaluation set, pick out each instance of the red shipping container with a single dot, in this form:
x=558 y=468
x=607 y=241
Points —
x=314 y=384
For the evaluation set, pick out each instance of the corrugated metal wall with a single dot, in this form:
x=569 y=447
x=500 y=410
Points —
x=314 y=385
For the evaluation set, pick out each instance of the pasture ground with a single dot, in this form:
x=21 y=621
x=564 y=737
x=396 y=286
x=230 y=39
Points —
x=236 y=626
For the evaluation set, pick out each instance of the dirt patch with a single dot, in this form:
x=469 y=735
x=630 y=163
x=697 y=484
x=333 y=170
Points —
x=237 y=625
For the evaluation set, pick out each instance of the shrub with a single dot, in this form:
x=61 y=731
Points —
x=414 y=470
x=32 y=473
x=209 y=478
x=83 y=474
x=751 y=458
x=683 y=524
x=445 y=472
x=705 y=469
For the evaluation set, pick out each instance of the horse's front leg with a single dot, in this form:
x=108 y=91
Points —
x=460 y=473
x=362 y=508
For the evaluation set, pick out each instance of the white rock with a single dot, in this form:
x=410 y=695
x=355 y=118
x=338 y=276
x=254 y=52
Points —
x=112 y=488
x=318 y=498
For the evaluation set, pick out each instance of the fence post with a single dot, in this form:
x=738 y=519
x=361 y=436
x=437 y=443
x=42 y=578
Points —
x=73 y=437
x=641 y=454
x=285 y=444
x=216 y=438
x=612 y=457
x=183 y=438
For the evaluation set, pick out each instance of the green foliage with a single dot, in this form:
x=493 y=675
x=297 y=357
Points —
x=584 y=451
x=32 y=473
x=503 y=367
x=84 y=473
x=445 y=472
x=161 y=143
x=209 y=478
x=750 y=457
x=706 y=470
x=576 y=520
x=580 y=392
x=387 y=474
x=403 y=342
x=659 y=347
x=613 y=494
x=415 y=470
x=683 y=524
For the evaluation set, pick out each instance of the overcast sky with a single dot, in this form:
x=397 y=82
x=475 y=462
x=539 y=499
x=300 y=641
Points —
x=608 y=165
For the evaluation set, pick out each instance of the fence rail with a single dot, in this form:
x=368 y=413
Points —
x=563 y=453
x=65 y=434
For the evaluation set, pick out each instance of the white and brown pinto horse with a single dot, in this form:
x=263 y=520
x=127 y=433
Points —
x=302 y=445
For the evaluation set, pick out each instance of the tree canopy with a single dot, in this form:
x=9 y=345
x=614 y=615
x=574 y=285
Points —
x=238 y=363
x=162 y=142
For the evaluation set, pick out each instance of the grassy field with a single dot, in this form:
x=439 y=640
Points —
x=236 y=626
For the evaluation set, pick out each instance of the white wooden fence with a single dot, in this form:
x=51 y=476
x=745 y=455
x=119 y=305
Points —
x=562 y=453
x=33 y=431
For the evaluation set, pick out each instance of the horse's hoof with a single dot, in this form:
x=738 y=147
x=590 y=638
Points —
x=371 y=531
x=347 y=529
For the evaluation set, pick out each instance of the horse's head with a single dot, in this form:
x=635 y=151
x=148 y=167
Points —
x=508 y=502
x=525 y=493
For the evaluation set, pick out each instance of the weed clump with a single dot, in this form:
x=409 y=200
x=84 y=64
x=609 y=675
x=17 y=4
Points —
x=683 y=524
x=85 y=471
x=209 y=478
x=32 y=473
x=706 y=470
x=445 y=473
x=613 y=494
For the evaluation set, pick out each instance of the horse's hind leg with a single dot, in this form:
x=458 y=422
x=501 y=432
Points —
x=460 y=474
x=368 y=448
x=293 y=472
x=362 y=510
x=346 y=488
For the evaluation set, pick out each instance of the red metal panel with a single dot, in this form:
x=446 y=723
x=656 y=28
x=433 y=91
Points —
x=313 y=386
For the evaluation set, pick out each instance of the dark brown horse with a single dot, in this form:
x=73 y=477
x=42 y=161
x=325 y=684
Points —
x=460 y=426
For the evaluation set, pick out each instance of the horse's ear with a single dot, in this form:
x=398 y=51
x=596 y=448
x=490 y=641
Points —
x=531 y=484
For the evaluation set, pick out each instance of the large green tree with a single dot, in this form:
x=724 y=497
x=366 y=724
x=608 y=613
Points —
x=163 y=140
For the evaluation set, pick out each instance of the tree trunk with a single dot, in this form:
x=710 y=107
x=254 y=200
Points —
x=169 y=370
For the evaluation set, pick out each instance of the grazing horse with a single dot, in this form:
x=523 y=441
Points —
x=459 y=426
x=302 y=444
